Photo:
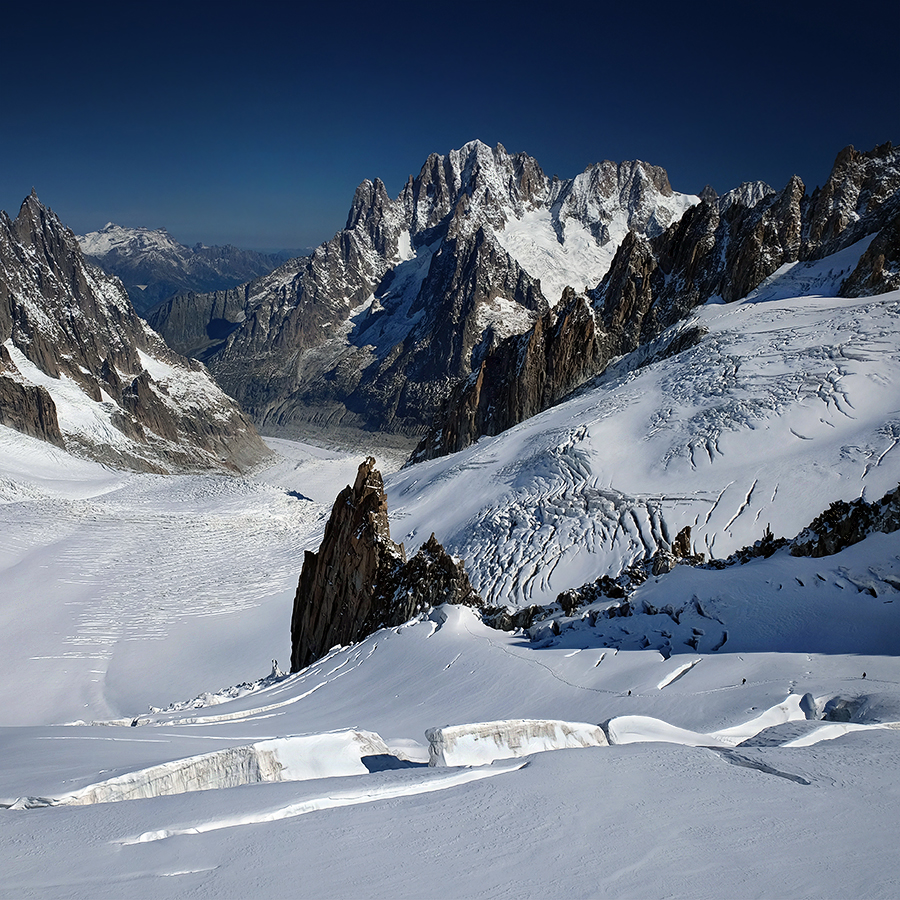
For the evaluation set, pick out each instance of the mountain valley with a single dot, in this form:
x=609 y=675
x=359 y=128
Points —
x=658 y=441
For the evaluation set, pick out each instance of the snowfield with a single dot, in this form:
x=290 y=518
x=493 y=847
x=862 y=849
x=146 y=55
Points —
x=785 y=406
x=737 y=735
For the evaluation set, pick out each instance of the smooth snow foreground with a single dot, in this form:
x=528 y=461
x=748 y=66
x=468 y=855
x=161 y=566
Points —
x=744 y=720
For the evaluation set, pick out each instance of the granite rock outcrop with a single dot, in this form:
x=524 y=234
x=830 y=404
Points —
x=360 y=580
x=844 y=524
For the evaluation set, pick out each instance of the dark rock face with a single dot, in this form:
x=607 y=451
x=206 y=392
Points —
x=26 y=407
x=878 y=270
x=153 y=266
x=561 y=352
x=360 y=580
x=859 y=198
x=844 y=524
x=63 y=320
x=723 y=247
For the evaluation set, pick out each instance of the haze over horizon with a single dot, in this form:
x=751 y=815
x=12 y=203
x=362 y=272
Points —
x=255 y=129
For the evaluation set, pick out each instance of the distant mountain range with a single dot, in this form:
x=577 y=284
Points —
x=373 y=329
x=80 y=369
x=723 y=248
x=487 y=291
x=153 y=265
x=483 y=294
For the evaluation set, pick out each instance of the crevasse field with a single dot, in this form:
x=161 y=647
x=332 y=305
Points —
x=149 y=749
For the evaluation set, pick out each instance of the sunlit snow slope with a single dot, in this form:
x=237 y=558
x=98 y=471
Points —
x=786 y=405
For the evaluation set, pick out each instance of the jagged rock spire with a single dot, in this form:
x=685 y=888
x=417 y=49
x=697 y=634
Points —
x=360 y=580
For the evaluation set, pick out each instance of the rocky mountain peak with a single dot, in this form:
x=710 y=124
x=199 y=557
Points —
x=369 y=201
x=722 y=247
x=609 y=199
x=376 y=217
x=360 y=580
x=38 y=227
x=495 y=183
x=861 y=194
x=747 y=195
x=373 y=329
x=81 y=370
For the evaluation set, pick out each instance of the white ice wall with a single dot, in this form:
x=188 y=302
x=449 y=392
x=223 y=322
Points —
x=482 y=743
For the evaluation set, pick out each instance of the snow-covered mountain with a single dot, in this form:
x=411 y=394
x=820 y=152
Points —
x=372 y=329
x=80 y=369
x=721 y=715
x=722 y=248
x=153 y=265
x=781 y=406
x=722 y=731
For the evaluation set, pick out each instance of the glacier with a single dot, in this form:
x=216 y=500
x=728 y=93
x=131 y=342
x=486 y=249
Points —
x=743 y=720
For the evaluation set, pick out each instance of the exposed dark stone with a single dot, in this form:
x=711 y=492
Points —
x=878 y=269
x=360 y=580
x=504 y=619
x=844 y=524
x=25 y=407
x=681 y=546
x=860 y=197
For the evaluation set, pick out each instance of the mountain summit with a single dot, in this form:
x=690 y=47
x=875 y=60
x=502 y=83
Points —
x=374 y=327
x=79 y=368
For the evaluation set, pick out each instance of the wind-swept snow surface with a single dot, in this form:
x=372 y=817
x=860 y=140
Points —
x=782 y=408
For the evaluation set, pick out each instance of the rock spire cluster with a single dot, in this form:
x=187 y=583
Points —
x=360 y=580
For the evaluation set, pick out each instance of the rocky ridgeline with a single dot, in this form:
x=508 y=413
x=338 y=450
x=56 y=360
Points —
x=360 y=580
x=373 y=328
x=723 y=247
x=844 y=524
x=68 y=331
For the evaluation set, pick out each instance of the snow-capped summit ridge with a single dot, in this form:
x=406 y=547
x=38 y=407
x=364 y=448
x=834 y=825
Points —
x=127 y=241
x=496 y=243
x=747 y=194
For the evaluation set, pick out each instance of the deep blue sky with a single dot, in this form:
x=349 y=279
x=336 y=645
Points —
x=254 y=126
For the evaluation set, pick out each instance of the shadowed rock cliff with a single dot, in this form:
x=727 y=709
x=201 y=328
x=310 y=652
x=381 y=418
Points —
x=360 y=580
